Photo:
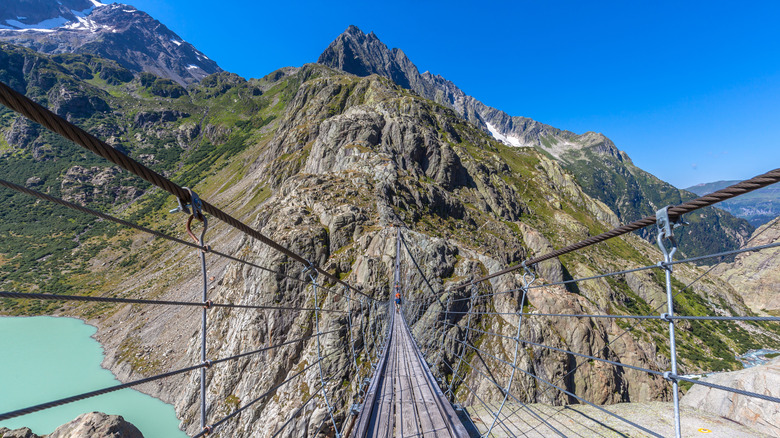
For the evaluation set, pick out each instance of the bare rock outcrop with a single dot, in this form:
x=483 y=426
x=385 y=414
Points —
x=760 y=414
x=756 y=275
x=89 y=425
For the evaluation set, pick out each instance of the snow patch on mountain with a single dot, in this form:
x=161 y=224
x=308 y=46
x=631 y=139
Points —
x=178 y=43
x=51 y=23
x=510 y=140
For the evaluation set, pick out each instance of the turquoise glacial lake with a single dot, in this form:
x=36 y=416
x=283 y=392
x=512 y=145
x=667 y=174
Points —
x=47 y=358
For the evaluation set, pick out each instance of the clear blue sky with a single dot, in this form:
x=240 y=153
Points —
x=690 y=90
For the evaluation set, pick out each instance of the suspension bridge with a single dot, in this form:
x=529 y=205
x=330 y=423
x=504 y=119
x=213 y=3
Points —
x=403 y=386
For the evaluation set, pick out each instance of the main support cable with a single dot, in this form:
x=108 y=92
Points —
x=37 y=113
x=732 y=191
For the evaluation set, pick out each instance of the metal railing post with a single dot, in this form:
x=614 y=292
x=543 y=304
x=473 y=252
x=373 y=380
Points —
x=665 y=227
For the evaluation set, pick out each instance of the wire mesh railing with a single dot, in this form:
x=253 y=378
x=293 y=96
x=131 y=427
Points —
x=456 y=324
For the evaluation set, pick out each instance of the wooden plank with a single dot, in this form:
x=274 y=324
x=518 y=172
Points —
x=409 y=417
x=431 y=423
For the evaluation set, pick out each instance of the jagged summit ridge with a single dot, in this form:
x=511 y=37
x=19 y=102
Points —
x=117 y=31
x=364 y=54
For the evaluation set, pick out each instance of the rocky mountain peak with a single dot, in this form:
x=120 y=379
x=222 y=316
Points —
x=117 y=31
x=46 y=14
x=364 y=54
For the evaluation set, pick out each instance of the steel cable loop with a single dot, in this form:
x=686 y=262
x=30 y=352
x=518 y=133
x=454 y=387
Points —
x=303 y=405
x=37 y=113
x=743 y=187
x=233 y=414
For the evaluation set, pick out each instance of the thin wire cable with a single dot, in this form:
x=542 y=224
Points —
x=54 y=297
x=463 y=382
x=726 y=388
x=625 y=420
x=633 y=326
x=306 y=402
x=643 y=268
x=86 y=395
x=265 y=394
x=89 y=211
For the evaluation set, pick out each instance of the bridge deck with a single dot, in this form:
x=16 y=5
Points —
x=403 y=400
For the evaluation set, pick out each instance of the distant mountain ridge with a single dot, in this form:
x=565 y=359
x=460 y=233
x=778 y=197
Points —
x=605 y=172
x=117 y=32
x=758 y=207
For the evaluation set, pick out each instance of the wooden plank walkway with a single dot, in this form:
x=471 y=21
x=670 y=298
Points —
x=403 y=399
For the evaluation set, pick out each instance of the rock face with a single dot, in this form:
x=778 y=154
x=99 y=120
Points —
x=118 y=32
x=602 y=170
x=90 y=425
x=759 y=414
x=756 y=275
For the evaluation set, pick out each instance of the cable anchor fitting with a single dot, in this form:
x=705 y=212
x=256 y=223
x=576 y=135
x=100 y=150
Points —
x=666 y=225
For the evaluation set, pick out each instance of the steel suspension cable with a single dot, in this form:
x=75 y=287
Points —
x=37 y=113
x=732 y=191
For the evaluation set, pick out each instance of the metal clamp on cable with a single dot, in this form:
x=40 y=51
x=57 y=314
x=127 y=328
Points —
x=208 y=304
x=197 y=213
x=206 y=364
x=666 y=226
x=666 y=317
x=208 y=430
x=669 y=376
x=310 y=269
